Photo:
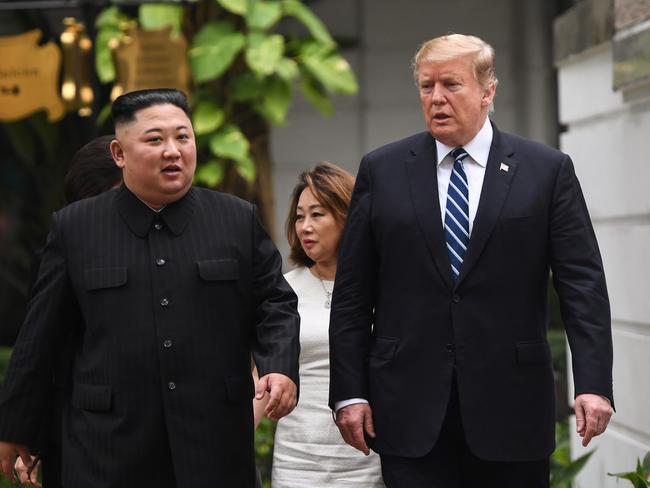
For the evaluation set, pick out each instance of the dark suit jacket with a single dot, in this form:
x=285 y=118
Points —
x=394 y=271
x=171 y=307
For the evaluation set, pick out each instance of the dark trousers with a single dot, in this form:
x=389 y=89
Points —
x=451 y=464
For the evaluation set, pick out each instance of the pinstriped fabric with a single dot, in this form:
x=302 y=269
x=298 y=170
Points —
x=457 y=213
x=172 y=306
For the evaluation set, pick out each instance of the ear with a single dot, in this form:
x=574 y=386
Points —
x=488 y=95
x=117 y=152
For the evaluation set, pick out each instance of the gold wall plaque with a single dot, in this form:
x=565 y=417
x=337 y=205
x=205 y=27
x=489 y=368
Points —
x=150 y=59
x=29 y=76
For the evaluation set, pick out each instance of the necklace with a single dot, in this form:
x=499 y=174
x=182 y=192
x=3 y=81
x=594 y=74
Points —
x=328 y=294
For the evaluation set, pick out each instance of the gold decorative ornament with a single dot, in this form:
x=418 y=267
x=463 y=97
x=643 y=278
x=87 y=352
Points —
x=150 y=59
x=76 y=90
x=29 y=77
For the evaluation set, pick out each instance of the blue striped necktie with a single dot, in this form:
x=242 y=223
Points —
x=457 y=213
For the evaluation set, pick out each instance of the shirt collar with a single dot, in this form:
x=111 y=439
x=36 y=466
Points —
x=140 y=217
x=478 y=148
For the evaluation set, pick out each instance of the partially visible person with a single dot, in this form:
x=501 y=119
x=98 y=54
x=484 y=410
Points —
x=309 y=451
x=92 y=171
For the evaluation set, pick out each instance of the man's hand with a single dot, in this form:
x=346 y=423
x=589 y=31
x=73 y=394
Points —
x=592 y=416
x=283 y=394
x=26 y=475
x=352 y=421
x=8 y=454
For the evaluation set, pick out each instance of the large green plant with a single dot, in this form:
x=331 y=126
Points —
x=245 y=67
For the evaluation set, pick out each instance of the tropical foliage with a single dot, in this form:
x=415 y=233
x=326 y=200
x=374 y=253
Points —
x=247 y=57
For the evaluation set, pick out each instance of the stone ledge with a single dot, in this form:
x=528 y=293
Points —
x=587 y=24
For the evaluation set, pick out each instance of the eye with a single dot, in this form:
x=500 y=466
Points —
x=299 y=217
x=154 y=139
x=183 y=137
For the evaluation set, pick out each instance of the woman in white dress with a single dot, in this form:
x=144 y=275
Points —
x=309 y=451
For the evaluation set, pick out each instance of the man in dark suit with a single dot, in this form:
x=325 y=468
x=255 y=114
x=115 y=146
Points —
x=174 y=287
x=438 y=328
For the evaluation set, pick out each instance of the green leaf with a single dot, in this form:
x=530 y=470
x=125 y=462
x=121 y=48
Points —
x=239 y=7
x=104 y=114
x=210 y=173
x=263 y=15
x=156 y=16
x=264 y=52
x=214 y=49
x=246 y=86
x=646 y=462
x=229 y=142
x=571 y=470
x=287 y=68
x=315 y=26
x=332 y=70
x=104 y=64
x=316 y=95
x=246 y=169
x=109 y=17
x=207 y=117
x=276 y=101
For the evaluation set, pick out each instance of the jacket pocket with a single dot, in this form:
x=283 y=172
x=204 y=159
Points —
x=240 y=389
x=98 y=278
x=218 y=269
x=533 y=353
x=383 y=348
x=94 y=398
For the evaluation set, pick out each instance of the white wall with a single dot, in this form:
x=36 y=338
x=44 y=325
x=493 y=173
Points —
x=608 y=138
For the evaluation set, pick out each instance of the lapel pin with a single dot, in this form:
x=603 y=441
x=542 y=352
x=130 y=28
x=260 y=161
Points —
x=504 y=167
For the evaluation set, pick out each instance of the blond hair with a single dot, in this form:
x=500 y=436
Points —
x=453 y=46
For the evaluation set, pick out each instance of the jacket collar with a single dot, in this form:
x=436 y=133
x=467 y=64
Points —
x=141 y=219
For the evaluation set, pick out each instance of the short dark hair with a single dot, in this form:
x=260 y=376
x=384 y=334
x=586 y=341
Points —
x=332 y=187
x=92 y=170
x=126 y=106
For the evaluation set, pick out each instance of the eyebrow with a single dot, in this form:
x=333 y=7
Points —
x=315 y=205
x=158 y=129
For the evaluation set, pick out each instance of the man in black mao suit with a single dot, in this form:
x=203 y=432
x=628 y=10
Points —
x=438 y=328
x=167 y=290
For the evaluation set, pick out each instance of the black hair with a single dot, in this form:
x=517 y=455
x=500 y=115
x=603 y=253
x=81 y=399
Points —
x=92 y=170
x=126 y=106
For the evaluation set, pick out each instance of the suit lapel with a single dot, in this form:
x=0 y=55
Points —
x=499 y=172
x=423 y=187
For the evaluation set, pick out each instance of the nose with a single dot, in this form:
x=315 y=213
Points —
x=171 y=150
x=437 y=94
x=307 y=225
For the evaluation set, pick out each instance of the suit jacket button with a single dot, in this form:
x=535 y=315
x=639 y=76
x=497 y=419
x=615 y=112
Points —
x=171 y=385
x=450 y=348
x=168 y=343
x=456 y=298
x=160 y=262
x=157 y=226
x=164 y=302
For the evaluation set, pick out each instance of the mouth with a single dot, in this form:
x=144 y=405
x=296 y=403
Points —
x=440 y=117
x=172 y=169
x=308 y=242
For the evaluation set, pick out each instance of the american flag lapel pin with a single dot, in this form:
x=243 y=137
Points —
x=504 y=167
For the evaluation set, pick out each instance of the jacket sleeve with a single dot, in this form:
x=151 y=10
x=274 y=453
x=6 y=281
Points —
x=353 y=300
x=579 y=279
x=26 y=394
x=277 y=323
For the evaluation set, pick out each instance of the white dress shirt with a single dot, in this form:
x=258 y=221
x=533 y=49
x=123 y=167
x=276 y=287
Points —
x=478 y=150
